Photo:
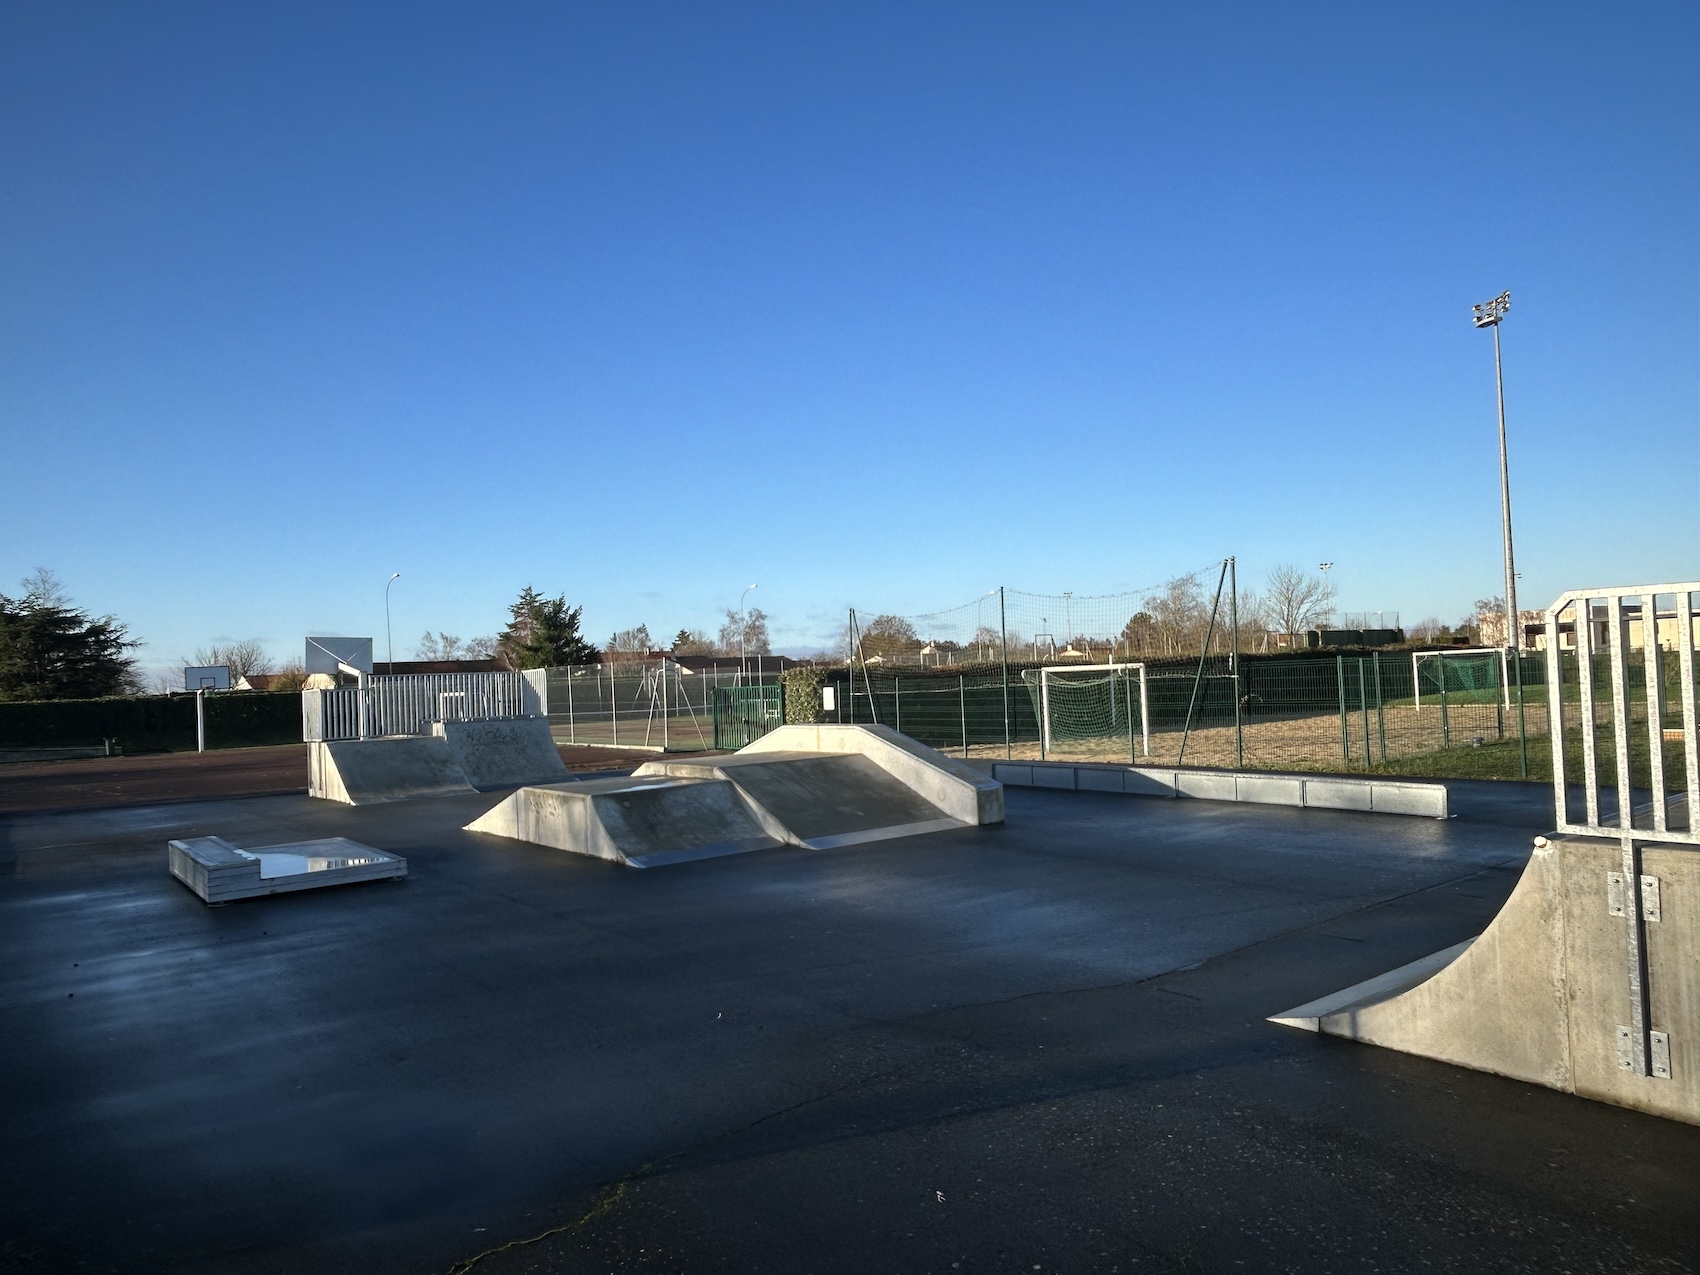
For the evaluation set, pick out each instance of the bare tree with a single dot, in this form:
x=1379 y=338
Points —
x=744 y=634
x=241 y=658
x=1428 y=630
x=438 y=646
x=1179 y=615
x=43 y=588
x=446 y=646
x=1295 y=601
x=891 y=639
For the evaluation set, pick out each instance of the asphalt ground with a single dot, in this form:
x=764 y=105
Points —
x=1034 y=1047
x=150 y=778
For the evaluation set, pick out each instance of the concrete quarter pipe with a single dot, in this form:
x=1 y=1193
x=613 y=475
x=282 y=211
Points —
x=1588 y=980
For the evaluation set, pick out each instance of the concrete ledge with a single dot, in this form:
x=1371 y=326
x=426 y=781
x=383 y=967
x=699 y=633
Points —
x=221 y=873
x=1331 y=792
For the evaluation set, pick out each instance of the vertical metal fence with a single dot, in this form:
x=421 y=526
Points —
x=657 y=704
x=1325 y=712
x=1625 y=727
x=407 y=704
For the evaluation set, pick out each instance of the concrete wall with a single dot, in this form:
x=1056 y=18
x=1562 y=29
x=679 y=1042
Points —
x=1325 y=792
x=1545 y=993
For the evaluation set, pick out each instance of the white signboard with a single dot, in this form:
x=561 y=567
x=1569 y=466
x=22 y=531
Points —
x=206 y=677
x=327 y=654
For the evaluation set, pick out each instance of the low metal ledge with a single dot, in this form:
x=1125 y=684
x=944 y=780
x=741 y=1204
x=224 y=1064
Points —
x=1322 y=792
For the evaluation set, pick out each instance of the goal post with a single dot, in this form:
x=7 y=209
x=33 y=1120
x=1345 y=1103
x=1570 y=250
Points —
x=1481 y=653
x=1085 y=701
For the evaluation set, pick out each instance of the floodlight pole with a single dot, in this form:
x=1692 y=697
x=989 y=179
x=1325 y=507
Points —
x=389 y=633
x=743 y=636
x=1488 y=315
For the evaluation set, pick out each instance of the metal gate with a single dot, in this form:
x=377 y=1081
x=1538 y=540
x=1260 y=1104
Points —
x=743 y=714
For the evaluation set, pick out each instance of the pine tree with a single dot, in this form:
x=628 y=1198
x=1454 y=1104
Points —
x=52 y=650
x=544 y=633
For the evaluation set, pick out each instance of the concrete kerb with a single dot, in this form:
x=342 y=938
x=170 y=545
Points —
x=1323 y=792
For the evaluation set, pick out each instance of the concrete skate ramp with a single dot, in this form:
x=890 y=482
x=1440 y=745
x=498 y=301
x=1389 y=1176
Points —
x=504 y=752
x=1549 y=992
x=361 y=772
x=956 y=788
x=640 y=822
x=818 y=800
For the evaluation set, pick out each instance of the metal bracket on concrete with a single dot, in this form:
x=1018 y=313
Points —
x=1649 y=898
x=1661 y=1055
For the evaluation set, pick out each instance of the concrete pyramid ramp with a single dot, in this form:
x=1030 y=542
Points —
x=639 y=822
x=1554 y=992
x=835 y=786
x=456 y=758
x=818 y=800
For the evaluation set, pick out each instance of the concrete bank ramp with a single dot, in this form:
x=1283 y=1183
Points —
x=818 y=800
x=961 y=792
x=457 y=758
x=362 y=772
x=817 y=787
x=639 y=822
x=1575 y=985
x=505 y=752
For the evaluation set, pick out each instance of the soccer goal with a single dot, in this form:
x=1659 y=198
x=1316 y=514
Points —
x=1091 y=701
x=1469 y=672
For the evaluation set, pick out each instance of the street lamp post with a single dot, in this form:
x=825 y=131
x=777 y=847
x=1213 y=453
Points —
x=1488 y=315
x=1327 y=595
x=743 y=645
x=389 y=633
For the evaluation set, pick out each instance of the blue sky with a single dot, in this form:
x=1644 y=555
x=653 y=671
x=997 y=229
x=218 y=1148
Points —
x=873 y=304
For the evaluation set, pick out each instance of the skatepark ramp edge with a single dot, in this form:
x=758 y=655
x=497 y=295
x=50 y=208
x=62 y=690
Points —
x=1587 y=979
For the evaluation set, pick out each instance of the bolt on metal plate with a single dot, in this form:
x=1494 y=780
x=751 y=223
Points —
x=1626 y=1049
x=1661 y=1054
x=1649 y=898
x=1614 y=893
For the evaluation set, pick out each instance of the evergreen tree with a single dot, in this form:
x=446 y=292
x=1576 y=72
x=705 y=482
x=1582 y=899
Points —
x=543 y=633
x=52 y=650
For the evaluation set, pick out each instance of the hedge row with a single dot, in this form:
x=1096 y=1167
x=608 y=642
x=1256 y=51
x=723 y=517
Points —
x=151 y=723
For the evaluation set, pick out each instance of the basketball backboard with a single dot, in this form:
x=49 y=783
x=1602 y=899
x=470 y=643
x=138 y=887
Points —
x=327 y=654
x=206 y=677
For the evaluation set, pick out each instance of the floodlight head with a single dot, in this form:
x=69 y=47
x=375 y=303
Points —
x=1489 y=313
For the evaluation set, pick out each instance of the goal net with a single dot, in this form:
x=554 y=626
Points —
x=1090 y=702
x=1470 y=675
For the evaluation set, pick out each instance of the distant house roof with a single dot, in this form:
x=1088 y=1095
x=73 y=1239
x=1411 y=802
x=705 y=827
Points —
x=722 y=663
x=382 y=667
